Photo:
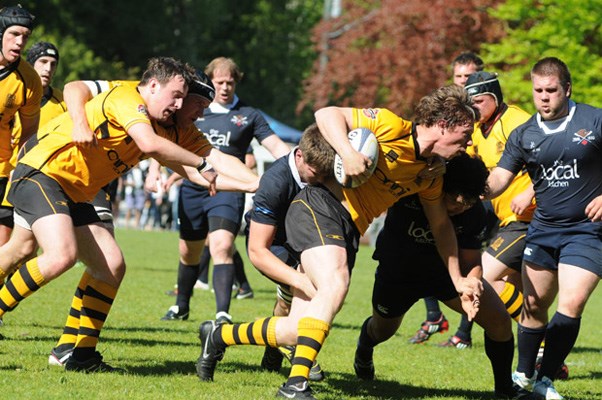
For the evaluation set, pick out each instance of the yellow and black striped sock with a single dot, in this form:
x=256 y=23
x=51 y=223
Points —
x=310 y=337
x=96 y=304
x=21 y=284
x=513 y=300
x=70 y=331
x=261 y=332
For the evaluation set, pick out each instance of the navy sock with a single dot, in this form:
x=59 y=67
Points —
x=561 y=336
x=433 y=312
x=223 y=278
x=239 y=270
x=187 y=275
x=528 y=342
x=500 y=354
x=464 y=331
x=204 y=267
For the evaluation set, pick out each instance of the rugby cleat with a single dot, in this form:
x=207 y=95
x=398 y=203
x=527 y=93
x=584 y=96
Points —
x=456 y=342
x=297 y=391
x=59 y=357
x=428 y=328
x=174 y=314
x=93 y=364
x=544 y=390
x=210 y=353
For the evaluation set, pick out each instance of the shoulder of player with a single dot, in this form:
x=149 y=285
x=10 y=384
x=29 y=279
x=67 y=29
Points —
x=516 y=111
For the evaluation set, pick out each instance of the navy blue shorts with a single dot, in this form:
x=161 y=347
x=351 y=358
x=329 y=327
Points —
x=199 y=213
x=579 y=245
x=398 y=284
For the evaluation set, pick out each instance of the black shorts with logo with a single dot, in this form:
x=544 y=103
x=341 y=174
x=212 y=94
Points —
x=316 y=218
x=35 y=195
x=509 y=244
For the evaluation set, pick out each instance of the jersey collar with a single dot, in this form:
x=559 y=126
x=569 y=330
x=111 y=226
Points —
x=293 y=166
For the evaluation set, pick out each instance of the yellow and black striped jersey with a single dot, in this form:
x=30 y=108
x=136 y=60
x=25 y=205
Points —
x=489 y=146
x=53 y=105
x=20 y=90
x=397 y=169
x=82 y=172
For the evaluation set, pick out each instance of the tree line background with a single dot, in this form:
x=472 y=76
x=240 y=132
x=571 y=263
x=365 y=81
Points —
x=299 y=55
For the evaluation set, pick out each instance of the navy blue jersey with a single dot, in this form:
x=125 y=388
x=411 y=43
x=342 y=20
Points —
x=407 y=235
x=277 y=188
x=564 y=162
x=233 y=131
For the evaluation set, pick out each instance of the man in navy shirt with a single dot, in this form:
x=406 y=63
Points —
x=230 y=125
x=410 y=268
x=266 y=230
x=561 y=148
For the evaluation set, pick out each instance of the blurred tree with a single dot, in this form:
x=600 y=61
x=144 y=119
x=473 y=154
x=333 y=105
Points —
x=567 y=29
x=113 y=39
x=389 y=53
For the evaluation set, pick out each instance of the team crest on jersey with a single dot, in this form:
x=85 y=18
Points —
x=10 y=101
x=583 y=137
x=370 y=112
x=239 y=120
x=142 y=109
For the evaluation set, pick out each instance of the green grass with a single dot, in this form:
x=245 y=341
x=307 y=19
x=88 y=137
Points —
x=160 y=355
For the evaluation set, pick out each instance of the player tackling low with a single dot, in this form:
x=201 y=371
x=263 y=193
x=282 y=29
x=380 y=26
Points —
x=324 y=224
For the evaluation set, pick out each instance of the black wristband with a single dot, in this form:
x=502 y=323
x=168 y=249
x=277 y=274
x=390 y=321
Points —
x=201 y=166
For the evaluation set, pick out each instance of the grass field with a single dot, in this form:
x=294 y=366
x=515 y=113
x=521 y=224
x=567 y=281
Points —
x=160 y=356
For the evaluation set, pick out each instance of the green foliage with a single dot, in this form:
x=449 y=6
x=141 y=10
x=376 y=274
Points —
x=270 y=40
x=567 y=29
x=160 y=355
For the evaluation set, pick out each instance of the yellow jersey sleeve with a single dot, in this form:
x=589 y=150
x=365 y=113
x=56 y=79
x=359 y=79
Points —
x=397 y=169
x=82 y=172
x=20 y=91
x=489 y=146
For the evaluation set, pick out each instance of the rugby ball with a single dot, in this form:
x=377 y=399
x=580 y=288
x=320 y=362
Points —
x=364 y=141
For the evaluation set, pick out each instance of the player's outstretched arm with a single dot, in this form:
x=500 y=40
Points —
x=499 y=179
x=169 y=153
x=227 y=165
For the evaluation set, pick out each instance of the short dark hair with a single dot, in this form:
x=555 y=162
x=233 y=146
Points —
x=553 y=66
x=317 y=152
x=468 y=57
x=465 y=176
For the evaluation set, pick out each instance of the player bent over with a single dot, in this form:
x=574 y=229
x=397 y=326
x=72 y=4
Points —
x=266 y=233
x=410 y=268
x=55 y=179
x=324 y=223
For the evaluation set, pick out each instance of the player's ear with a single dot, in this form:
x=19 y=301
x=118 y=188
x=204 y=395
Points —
x=569 y=89
x=442 y=124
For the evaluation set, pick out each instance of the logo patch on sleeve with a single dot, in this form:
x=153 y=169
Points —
x=142 y=110
x=370 y=112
